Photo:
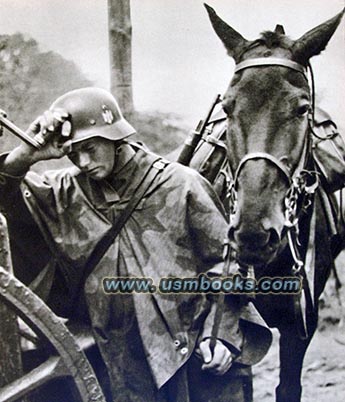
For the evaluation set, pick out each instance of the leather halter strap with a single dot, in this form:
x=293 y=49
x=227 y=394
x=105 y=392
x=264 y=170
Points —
x=302 y=314
x=271 y=61
x=265 y=156
x=262 y=62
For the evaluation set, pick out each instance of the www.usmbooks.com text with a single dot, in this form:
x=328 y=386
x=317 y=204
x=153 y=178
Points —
x=203 y=284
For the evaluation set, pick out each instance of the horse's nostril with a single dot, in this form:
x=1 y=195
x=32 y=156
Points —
x=231 y=235
x=254 y=239
x=274 y=238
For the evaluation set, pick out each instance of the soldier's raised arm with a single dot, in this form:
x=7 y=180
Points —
x=51 y=131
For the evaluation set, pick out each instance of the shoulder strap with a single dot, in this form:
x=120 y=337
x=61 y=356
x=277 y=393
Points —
x=107 y=240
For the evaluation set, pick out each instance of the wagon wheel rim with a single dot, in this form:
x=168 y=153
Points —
x=33 y=310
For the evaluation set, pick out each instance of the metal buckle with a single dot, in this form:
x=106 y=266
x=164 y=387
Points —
x=160 y=164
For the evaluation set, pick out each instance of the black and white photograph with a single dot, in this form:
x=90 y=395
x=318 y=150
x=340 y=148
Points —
x=172 y=203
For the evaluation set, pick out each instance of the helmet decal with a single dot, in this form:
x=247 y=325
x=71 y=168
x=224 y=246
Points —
x=107 y=115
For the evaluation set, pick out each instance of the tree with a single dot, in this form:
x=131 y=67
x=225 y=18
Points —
x=120 y=48
x=30 y=80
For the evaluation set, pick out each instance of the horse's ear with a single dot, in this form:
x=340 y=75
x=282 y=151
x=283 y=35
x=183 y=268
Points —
x=231 y=39
x=315 y=41
x=279 y=30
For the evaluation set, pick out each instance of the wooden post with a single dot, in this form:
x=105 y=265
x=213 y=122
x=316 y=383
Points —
x=10 y=353
x=120 y=47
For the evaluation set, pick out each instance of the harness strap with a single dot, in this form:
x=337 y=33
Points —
x=215 y=141
x=220 y=297
x=309 y=264
x=304 y=308
x=271 y=61
x=262 y=155
x=107 y=240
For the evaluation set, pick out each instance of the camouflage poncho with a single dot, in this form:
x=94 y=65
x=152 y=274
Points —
x=177 y=230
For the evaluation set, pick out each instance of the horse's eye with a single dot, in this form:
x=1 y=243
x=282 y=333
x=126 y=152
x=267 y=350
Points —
x=303 y=110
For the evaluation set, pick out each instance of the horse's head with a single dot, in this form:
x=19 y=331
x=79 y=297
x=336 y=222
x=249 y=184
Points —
x=268 y=104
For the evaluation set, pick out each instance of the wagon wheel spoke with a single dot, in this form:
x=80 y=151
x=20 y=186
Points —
x=71 y=361
x=26 y=333
x=52 y=368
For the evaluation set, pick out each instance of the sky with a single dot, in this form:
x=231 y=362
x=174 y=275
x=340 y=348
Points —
x=179 y=64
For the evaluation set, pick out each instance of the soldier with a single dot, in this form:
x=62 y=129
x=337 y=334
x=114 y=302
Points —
x=122 y=211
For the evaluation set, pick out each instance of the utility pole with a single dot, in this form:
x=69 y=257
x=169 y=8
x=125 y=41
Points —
x=120 y=48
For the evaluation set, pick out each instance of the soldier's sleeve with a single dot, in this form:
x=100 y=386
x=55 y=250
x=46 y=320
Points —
x=28 y=248
x=12 y=203
x=241 y=329
x=17 y=192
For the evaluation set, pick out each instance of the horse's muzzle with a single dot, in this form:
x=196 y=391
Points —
x=254 y=247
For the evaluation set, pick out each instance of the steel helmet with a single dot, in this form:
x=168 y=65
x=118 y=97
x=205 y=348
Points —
x=93 y=112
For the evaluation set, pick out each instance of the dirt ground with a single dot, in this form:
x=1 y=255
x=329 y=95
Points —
x=323 y=377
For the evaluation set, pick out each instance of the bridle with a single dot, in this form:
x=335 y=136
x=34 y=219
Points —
x=271 y=61
x=302 y=182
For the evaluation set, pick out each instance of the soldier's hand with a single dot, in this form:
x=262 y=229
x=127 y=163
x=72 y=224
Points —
x=218 y=362
x=52 y=131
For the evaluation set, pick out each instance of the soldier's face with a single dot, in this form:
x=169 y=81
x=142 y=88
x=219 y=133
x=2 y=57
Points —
x=95 y=157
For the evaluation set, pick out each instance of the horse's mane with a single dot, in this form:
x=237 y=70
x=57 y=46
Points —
x=271 y=40
x=274 y=39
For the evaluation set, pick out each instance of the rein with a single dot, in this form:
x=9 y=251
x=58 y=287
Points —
x=299 y=196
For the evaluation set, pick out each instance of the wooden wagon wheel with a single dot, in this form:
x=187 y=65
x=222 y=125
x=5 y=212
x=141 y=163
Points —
x=71 y=361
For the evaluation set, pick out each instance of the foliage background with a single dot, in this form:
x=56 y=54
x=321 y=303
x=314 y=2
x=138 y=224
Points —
x=30 y=80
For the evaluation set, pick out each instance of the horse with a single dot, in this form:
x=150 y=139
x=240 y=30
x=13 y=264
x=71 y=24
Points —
x=279 y=225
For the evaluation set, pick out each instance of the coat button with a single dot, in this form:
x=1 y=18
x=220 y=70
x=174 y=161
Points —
x=27 y=193
x=184 y=351
x=177 y=343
